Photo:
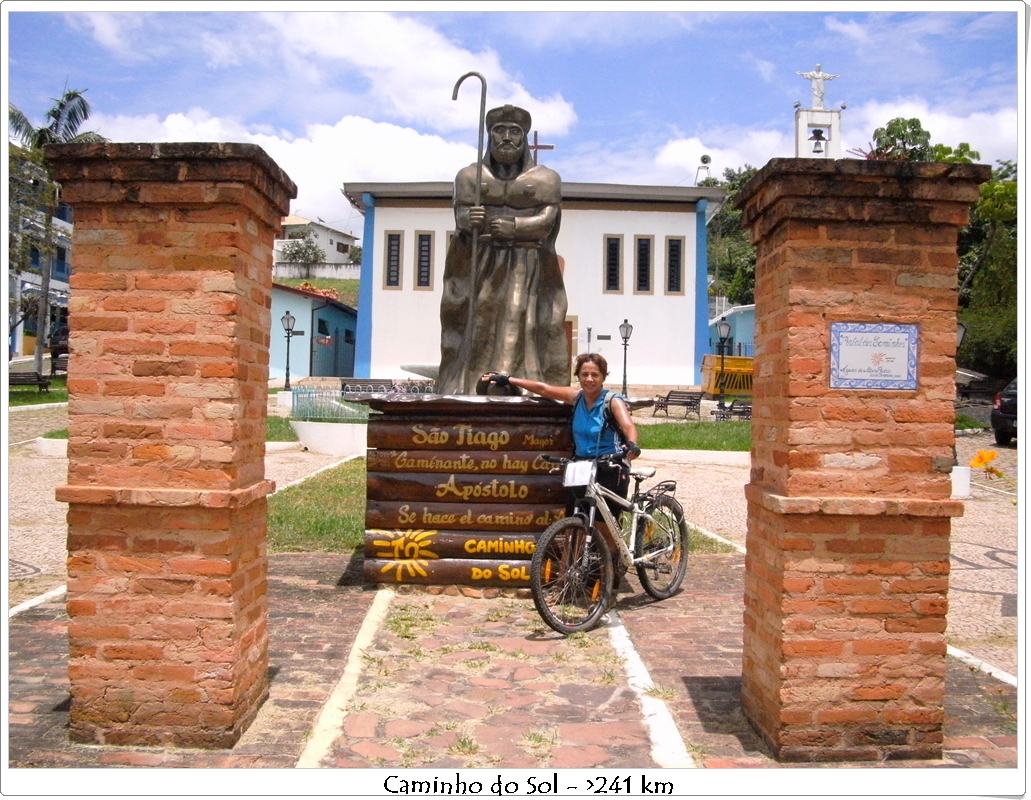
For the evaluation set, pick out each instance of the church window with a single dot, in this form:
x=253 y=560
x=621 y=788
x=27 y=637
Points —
x=643 y=265
x=424 y=260
x=674 y=265
x=613 y=263
x=392 y=271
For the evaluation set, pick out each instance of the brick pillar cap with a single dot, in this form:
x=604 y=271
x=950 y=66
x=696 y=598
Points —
x=84 y=162
x=824 y=169
x=854 y=180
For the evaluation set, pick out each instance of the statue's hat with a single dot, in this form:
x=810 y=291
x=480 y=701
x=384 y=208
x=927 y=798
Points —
x=509 y=113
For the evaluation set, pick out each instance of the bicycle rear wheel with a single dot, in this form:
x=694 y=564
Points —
x=663 y=535
x=571 y=576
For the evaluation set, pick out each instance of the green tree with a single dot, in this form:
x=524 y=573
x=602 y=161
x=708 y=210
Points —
x=989 y=277
x=69 y=112
x=731 y=256
x=304 y=251
x=355 y=252
x=29 y=181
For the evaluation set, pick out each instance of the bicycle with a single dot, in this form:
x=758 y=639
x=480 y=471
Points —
x=572 y=570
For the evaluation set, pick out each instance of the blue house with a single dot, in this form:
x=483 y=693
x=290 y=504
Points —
x=741 y=341
x=326 y=347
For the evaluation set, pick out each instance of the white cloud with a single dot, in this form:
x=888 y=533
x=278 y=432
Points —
x=767 y=69
x=320 y=162
x=386 y=50
x=993 y=134
x=727 y=149
x=112 y=31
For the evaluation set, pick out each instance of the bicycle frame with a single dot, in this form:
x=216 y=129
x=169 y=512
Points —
x=625 y=538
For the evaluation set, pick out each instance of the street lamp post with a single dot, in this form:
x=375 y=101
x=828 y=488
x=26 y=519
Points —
x=289 y=320
x=625 y=330
x=723 y=331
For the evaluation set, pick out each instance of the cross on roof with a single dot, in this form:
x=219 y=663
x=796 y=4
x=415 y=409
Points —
x=537 y=146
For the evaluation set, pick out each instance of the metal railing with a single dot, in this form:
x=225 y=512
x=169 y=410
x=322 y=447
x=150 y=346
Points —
x=386 y=386
x=314 y=404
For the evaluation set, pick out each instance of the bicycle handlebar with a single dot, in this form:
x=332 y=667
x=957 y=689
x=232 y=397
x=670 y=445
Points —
x=607 y=458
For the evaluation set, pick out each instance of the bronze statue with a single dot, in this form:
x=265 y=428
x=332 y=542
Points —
x=504 y=310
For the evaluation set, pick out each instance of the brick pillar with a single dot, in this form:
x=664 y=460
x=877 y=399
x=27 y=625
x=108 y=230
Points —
x=167 y=382
x=849 y=507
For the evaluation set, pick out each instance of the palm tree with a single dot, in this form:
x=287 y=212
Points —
x=65 y=117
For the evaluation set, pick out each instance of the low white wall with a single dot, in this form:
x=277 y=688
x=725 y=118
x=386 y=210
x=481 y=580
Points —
x=332 y=438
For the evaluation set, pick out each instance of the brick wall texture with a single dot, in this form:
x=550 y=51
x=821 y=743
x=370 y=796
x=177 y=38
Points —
x=849 y=498
x=170 y=325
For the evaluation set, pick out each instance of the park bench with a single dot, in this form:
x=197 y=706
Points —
x=30 y=379
x=980 y=390
x=691 y=401
x=59 y=364
x=738 y=409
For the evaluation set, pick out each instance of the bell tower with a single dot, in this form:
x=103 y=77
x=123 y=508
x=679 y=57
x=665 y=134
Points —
x=817 y=129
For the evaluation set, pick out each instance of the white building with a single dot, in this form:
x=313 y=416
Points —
x=335 y=244
x=635 y=253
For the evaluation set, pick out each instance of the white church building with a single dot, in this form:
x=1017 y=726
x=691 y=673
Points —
x=634 y=253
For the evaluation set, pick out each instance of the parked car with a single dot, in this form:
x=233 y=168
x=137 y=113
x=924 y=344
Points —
x=1004 y=414
x=57 y=341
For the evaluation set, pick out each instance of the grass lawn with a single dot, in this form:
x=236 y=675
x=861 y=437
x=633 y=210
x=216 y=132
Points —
x=730 y=435
x=30 y=395
x=323 y=515
x=277 y=429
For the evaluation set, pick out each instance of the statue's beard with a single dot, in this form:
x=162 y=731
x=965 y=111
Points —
x=507 y=154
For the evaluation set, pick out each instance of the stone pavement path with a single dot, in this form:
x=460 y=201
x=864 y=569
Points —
x=459 y=682
x=526 y=695
x=983 y=599
x=317 y=603
x=450 y=682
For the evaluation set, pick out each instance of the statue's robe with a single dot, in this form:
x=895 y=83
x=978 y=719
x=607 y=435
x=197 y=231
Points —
x=507 y=312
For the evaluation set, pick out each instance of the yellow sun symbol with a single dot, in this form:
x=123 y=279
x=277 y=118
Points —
x=406 y=551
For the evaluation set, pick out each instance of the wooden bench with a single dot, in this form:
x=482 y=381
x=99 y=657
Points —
x=59 y=364
x=739 y=409
x=691 y=402
x=30 y=379
x=980 y=390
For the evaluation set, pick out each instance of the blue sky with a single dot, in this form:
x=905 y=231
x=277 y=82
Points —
x=625 y=96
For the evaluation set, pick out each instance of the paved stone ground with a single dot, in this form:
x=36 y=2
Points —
x=983 y=584
x=451 y=682
x=455 y=682
x=316 y=605
x=505 y=711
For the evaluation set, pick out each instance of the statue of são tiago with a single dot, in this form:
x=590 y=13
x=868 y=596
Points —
x=504 y=311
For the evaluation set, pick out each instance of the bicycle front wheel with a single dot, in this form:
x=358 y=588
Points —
x=662 y=541
x=571 y=576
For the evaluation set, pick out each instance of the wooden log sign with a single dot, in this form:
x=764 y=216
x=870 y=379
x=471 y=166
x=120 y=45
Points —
x=457 y=491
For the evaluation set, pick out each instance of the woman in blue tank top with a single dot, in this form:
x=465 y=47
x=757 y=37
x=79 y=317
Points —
x=595 y=432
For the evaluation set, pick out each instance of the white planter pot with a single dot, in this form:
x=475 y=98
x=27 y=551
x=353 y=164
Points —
x=332 y=438
x=961 y=483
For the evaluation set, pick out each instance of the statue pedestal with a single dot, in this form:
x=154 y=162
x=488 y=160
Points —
x=457 y=490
